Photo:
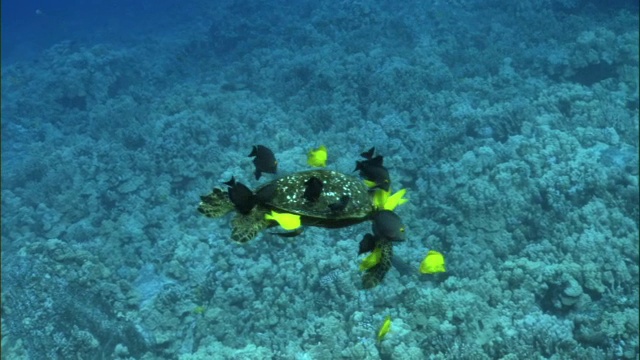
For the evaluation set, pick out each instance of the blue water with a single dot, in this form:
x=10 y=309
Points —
x=513 y=126
x=30 y=27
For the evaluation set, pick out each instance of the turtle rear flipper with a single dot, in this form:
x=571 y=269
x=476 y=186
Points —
x=216 y=204
x=246 y=227
x=373 y=277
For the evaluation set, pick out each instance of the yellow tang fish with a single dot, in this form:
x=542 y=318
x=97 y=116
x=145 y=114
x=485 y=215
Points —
x=395 y=200
x=285 y=220
x=379 y=198
x=318 y=157
x=384 y=200
x=385 y=328
x=433 y=263
x=371 y=260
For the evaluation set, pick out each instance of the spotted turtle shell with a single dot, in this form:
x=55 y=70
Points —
x=289 y=196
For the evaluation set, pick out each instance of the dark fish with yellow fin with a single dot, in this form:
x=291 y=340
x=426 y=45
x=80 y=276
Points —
x=380 y=181
x=264 y=160
x=241 y=196
x=372 y=170
x=313 y=189
x=387 y=225
x=375 y=176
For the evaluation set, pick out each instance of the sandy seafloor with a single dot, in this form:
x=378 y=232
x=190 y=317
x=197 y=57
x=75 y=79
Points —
x=513 y=125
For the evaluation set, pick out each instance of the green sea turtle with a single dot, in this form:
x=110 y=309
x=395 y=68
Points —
x=344 y=200
x=289 y=197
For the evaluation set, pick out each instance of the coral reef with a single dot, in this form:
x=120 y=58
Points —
x=514 y=128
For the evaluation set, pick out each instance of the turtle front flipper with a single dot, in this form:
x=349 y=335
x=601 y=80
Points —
x=246 y=227
x=373 y=276
x=216 y=204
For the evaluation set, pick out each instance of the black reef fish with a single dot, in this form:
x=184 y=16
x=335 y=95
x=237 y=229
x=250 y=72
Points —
x=241 y=196
x=387 y=225
x=266 y=193
x=264 y=160
x=313 y=189
x=376 y=176
x=372 y=170
x=371 y=160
